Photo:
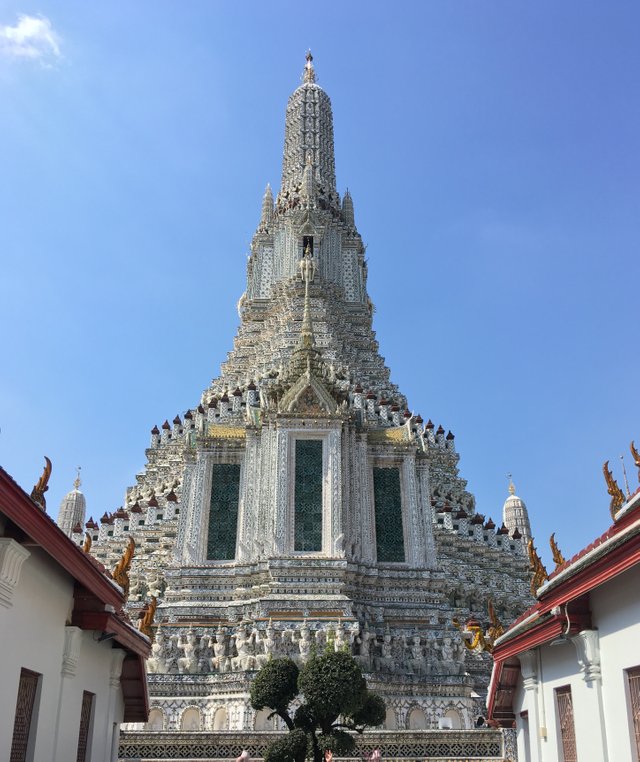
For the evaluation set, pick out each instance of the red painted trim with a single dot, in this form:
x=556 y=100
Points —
x=613 y=563
x=106 y=622
x=608 y=566
x=93 y=591
x=134 y=687
x=571 y=594
x=24 y=513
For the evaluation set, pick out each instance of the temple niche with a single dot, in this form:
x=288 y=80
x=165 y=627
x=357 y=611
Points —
x=301 y=503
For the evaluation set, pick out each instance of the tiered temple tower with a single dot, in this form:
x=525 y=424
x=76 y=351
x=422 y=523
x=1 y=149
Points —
x=302 y=503
x=71 y=515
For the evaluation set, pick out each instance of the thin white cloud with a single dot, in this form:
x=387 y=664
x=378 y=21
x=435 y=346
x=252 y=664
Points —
x=33 y=37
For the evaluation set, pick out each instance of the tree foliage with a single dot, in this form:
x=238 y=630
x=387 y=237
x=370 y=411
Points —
x=291 y=748
x=335 y=699
x=275 y=687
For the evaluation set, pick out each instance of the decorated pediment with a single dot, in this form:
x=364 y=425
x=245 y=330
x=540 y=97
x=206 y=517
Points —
x=308 y=396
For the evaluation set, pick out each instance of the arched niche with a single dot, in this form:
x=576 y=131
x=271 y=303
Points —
x=156 y=720
x=190 y=719
x=453 y=715
x=221 y=719
x=416 y=719
x=390 y=721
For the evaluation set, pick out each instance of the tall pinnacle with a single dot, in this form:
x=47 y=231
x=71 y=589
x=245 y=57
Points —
x=309 y=132
x=267 y=209
x=307 y=272
x=309 y=74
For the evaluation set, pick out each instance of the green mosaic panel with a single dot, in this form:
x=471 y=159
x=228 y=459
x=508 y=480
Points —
x=308 y=495
x=223 y=513
x=388 y=506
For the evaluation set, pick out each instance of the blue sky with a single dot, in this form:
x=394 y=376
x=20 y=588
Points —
x=491 y=149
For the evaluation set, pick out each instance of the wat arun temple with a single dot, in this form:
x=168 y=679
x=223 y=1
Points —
x=302 y=503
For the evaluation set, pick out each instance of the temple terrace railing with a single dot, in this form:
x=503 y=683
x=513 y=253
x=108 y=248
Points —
x=397 y=746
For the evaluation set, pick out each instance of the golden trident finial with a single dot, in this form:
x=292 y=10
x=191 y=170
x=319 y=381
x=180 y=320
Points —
x=512 y=486
x=309 y=74
x=77 y=482
x=626 y=481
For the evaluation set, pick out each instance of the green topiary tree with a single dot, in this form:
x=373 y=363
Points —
x=335 y=699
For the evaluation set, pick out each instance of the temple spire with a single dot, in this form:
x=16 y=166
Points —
x=309 y=132
x=267 y=208
x=307 y=272
x=309 y=73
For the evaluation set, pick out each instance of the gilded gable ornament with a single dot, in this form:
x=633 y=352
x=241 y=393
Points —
x=558 y=558
x=145 y=625
x=121 y=571
x=617 y=496
x=42 y=485
x=536 y=567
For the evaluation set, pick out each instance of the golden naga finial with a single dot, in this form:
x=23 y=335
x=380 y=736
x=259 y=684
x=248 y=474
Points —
x=86 y=546
x=474 y=638
x=536 y=567
x=636 y=456
x=617 y=496
x=121 y=572
x=37 y=493
x=145 y=624
x=558 y=558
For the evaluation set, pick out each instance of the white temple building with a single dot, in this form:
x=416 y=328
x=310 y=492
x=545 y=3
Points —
x=566 y=673
x=301 y=502
x=72 y=663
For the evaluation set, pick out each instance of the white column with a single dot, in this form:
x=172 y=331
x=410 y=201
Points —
x=529 y=672
x=70 y=656
x=112 y=722
x=333 y=530
x=587 y=645
x=283 y=522
x=364 y=505
x=247 y=514
x=425 y=512
x=415 y=552
x=191 y=541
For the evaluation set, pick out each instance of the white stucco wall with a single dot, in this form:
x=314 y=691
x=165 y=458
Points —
x=616 y=610
x=601 y=711
x=32 y=633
